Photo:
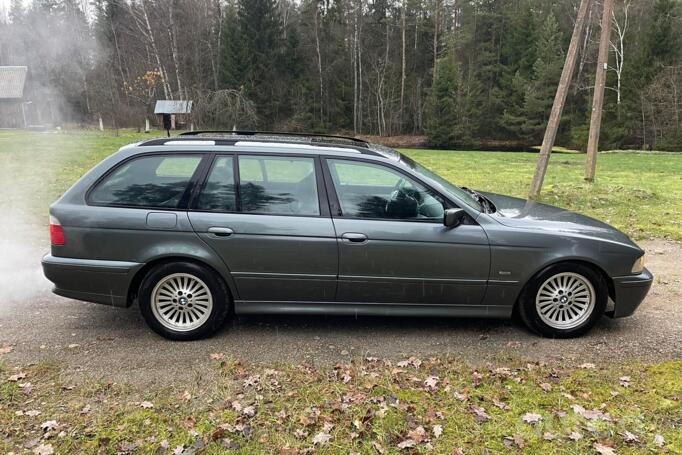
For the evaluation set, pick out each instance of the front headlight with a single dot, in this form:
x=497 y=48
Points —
x=638 y=266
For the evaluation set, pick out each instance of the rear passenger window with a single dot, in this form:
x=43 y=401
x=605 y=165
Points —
x=218 y=193
x=150 y=181
x=278 y=185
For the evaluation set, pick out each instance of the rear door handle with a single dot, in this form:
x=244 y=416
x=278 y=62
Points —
x=220 y=231
x=354 y=237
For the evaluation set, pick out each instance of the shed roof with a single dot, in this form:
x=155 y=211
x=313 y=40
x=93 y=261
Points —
x=173 y=107
x=12 y=79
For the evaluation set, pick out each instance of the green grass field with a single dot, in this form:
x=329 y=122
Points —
x=640 y=193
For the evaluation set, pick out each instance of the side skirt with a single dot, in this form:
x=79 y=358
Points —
x=372 y=309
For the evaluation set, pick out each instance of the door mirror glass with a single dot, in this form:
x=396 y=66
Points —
x=454 y=217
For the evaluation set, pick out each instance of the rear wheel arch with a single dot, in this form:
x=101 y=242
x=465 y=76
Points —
x=136 y=282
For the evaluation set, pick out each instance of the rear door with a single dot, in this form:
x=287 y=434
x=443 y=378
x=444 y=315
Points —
x=267 y=216
x=393 y=246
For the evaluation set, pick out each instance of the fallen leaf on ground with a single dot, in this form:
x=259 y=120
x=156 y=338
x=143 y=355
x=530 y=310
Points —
x=575 y=436
x=479 y=414
x=659 y=440
x=407 y=444
x=461 y=396
x=378 y=447
x=547 y=436
x=16 y=377
x=531 y=417
x=603 y=449
x=49 y=425
x=437 y=431
x=516 y=440
x=321 y=438
x=44 y=449
x=629 y=437
x=417 y=435
x=500 y=404
x=431 y=382
x=217 y=356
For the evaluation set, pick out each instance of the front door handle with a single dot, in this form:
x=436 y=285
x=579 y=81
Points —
x=354 y=237
x=220 y=231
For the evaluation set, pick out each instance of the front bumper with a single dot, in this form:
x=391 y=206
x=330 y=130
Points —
x=90 y=280
x=630 y=291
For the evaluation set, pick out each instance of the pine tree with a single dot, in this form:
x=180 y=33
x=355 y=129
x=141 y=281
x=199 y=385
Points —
x=442 y=109
x=542 y=88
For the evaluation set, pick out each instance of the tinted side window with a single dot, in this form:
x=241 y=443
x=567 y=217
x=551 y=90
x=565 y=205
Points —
x=278 y=185
x=219 y=192
x=368 y=190
x=150 y=181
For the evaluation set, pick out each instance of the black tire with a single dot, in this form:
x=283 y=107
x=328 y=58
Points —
x=530 y=315
x=218 y=292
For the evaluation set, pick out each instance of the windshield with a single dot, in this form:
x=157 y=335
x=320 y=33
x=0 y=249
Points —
x=462 y=194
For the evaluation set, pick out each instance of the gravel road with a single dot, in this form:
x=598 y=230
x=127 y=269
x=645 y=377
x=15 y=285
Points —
x=99 y=341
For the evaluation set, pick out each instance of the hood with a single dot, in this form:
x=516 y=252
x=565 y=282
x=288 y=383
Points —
x=526 y=214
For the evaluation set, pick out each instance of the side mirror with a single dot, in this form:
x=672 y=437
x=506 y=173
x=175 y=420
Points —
x=454 y=217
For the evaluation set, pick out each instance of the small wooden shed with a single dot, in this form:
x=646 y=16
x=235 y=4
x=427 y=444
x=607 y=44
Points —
x=179 y=110
x=12 y=103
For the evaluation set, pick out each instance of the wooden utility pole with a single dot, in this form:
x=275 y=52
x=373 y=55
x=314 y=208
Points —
x=559 y=101
x=599 y=85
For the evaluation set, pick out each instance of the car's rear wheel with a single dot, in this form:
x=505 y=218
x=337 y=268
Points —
x=564 y=300
x=183 y=301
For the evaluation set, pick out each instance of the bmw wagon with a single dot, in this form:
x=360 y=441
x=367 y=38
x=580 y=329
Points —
x=198 y=227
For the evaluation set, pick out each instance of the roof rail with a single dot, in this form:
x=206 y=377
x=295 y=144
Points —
x=324 y=138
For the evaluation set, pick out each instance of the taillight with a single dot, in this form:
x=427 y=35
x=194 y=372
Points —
x=56 y=232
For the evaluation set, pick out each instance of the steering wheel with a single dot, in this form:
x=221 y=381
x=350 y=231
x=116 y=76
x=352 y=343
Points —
x=402 y=204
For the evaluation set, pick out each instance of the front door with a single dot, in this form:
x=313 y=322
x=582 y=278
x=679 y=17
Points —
x=393 y=246
x=270 y=228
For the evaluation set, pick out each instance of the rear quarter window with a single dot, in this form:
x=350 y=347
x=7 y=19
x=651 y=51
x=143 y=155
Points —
x=157 y=181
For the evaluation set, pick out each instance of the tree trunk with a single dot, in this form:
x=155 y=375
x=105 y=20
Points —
x=559 y=101
x=402 y=73
x=319 y=57
x=435 y=37
x=174 y=46
x=599 y=85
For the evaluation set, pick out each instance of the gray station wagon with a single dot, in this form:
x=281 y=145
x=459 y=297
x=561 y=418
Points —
x=207 y=224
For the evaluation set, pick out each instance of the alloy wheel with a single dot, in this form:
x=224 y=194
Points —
x=181 y=302
x=565 y=301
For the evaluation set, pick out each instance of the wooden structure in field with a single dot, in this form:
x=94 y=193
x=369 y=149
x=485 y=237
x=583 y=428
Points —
x=12 y=103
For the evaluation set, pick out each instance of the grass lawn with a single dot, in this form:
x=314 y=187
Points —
x=636 y=192
x=365 y=406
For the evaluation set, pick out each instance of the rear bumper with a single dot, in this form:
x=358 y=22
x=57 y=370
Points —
x=630 y=291
x=90 y=280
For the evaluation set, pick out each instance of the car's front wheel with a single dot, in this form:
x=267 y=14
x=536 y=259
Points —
x=564 y=300
x=183 y=301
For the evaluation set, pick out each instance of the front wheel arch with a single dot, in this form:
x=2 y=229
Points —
x=541 y=270
x=523 y=313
